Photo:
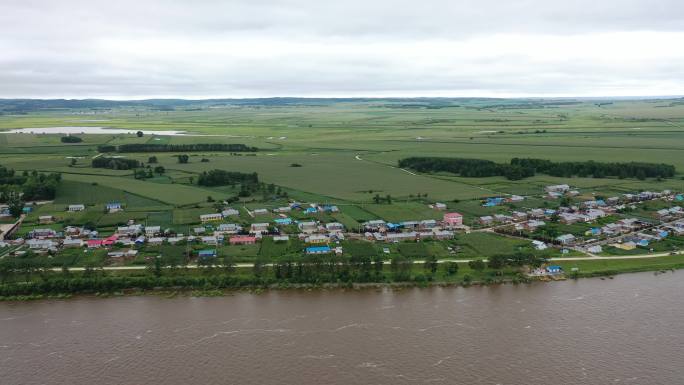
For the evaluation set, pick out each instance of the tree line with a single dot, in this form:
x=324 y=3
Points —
x=157 y=147
x=520 y=168
x=115 y=163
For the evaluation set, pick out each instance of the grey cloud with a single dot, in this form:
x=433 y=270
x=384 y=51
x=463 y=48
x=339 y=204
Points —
x=132 y=49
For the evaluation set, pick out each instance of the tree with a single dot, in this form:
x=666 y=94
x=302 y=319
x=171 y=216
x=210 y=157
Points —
x=210 y=199
x=451 y=268
x=228 y=264
x=183 y=158
x=388 y=199
x=139 y=134
x=477 y=264
x=159 y=170
x=152 y=159
x=16 y=205
x=72 y=162
x=431 y=264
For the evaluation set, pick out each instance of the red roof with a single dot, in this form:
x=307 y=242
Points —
x=94 y=242
x=242 y=239
x=452 y=215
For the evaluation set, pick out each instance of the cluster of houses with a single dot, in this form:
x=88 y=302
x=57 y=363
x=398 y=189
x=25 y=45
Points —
x=379 y=230
x=111 y=207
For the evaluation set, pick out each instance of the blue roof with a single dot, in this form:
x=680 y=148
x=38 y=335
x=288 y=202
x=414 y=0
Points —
x=393 y=225
x=283 y=221
x=679 y=197
x=310 y=210
x=318 y=249
x=643 y=242
x=207 y=253
x=663 y=233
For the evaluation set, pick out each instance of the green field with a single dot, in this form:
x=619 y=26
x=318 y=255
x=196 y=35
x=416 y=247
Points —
x=347 y=152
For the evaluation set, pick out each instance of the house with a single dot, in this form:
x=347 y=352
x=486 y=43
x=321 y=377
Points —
x=443 y=234
x=204 y=218
x=43 y=244
x=486 y=220
x=566 y=239
x=491 y=202
x=453 y=219
x=334 y=226
x=70 y=243
x=594 y=214
x=625 y=245
x=130 y=230
x=440 y=206
x=318 y=250
x=307 y=227
x=400 y=237
x=113 y=207
x=46 y=219
x=281 y=238
x=428 y=224
x=283 y=221
x=595 y=249
x=209 y=240
x=558 y=188
x=519 y=216
x=229 y=212
x=533 y=224
x=375 y=225
x=284 y=209
x=554 y=269
x=228 y=228
x=43 y=233
x=316 y=239
x=258 y=228
x=151 y=231
x=516 y=198
x=539 y=245
x=260 y=212
x=199 y=230
x=202 y=254
x=94 y=243
x=174 y=240
x=242 y=240
x=155 y=241
x=74 y=208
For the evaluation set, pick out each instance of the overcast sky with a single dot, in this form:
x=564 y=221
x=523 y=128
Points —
x=257 y=48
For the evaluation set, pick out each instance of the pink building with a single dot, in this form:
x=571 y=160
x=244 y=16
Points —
x=242 y=240
x=453 y=219
x=94 y=243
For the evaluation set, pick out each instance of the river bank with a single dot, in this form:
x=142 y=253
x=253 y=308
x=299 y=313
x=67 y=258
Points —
x=215 y=282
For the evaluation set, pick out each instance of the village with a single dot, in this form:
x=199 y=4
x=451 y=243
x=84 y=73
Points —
x=601 y=226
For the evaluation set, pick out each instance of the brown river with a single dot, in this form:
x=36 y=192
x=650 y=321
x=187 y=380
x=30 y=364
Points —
x=628 y=330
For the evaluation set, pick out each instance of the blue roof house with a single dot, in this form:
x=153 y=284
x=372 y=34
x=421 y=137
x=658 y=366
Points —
x=318 y=250
x=283 y=221
x=555 y=269
x=206 y=253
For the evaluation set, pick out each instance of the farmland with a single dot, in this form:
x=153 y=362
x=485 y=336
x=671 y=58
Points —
x=335 y=152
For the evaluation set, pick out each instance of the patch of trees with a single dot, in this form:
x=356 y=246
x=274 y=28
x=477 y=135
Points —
x=226 y=178
x=156 y=147
x=70 y=139
x=106 y=148
x=520 y=168
x=17 y=188
x=115 y=163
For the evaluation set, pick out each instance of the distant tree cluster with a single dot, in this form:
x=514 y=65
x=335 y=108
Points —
x=637 y=170
x=70 y=139
x=106 y=148
x=520 y=168
x=155 y=147
x=115 y=163
x=226 y=178
x=15 y=189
